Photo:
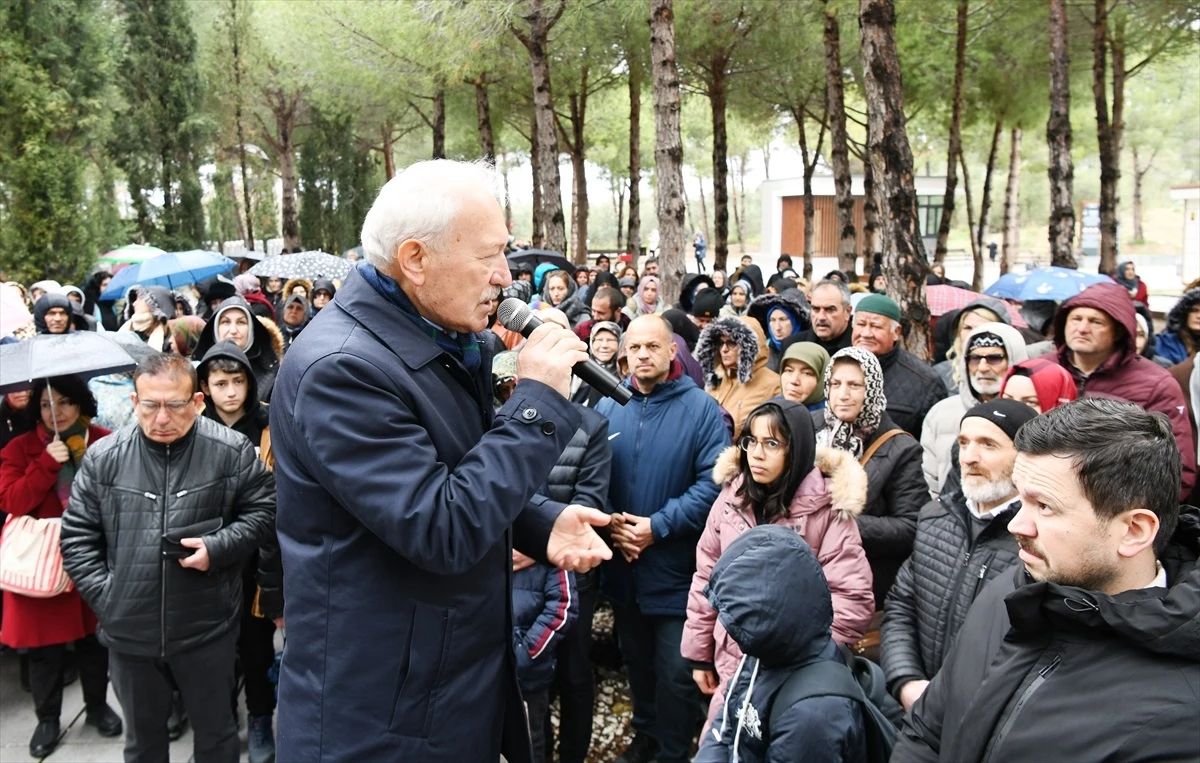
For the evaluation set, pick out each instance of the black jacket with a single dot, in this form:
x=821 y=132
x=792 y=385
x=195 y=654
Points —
x=1048 y=672
x=582 y=472
x=128 y=492
x=14 y=423
x=953 y=558
x=896 y=490
x=912 y=387
x=839 y=342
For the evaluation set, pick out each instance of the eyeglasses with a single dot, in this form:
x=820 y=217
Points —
x=994 y=359
x=770 y=445
x=730 y=343
x=152 y=407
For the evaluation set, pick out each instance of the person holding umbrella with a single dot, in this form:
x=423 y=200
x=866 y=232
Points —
x=36 y=473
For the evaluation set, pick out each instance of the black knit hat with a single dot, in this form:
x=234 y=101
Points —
x=1009 y=415
x=707 y=303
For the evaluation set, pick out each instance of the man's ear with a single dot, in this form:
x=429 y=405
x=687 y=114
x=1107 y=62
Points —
x=1138 y=528
x=412 y=261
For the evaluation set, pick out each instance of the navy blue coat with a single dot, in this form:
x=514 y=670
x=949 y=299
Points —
x=404 y=495
x=545 y=605
x=664 y=446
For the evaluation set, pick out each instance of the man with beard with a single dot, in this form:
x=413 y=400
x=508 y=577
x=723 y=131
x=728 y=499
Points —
x=988 y=352
x=962 y=540
x=1100 y=614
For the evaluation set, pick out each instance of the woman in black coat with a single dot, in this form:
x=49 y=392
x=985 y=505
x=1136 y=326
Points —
x=855 y=420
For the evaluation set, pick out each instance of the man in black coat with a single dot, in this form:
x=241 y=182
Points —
x=404 y=491
x=962 y=542
x=831 y=312
x=911 y=386
x=1091 y=650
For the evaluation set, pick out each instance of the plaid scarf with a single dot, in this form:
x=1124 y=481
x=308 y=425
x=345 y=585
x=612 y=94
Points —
x=76 y=439
x=465 y=347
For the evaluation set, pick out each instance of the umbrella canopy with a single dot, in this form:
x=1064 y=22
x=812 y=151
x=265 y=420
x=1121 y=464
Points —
x=131 y=253
x=13 y=313
x=1051 y=283
x=171 y=270
x=310 y=265
x=83 y=353
x=942 y=299
x=535 y=257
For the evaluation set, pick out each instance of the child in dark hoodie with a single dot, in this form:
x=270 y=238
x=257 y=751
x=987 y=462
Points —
x=231 y=398
x=771 y=597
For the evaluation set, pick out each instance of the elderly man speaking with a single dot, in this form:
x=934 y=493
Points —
x=401 y=493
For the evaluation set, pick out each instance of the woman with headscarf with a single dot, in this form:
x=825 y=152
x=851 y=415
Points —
x=733 y=355
x=780 y=315
x=250 y=289
x=185 y=334
x=1127 y=276
x=36 y=473
x=1181 y=340
x=102 y=311
x=739 y=300
x=855 y=420
x=559 y=291
x=259 y=338
x=153 y=307
x=648 y=299
x=1039 y=383
x=603 y=343
x=802 y=374
x=776 y=474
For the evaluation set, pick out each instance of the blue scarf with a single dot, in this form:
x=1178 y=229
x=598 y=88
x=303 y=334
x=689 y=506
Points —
x=463 y=346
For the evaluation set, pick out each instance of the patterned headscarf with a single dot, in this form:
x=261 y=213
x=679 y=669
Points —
x=852 y=437
x=185 y=334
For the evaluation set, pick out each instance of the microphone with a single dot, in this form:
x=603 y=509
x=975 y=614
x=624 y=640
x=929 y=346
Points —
x=515 y=315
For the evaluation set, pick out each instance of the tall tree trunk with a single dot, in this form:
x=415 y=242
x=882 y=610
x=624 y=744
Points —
x=1139 y=174
x=541 y=21
x=741 y=183
x=1012 y=205
x=870 y=216
x=483 y=112
x=668 y=147
x=439 y=124
x=237 y=212
x=389 y=159
x=237 y=118
x=809 y=161
x=720 y=157
x=578 y=150
x=1108 y=129
x=538 y=238
x=620 y=200
x=892 y=170
x=985 y=203
x=687 y=210
x=286 y=109
x=1058 y=136
x=737 y=217
x=291 y=217
x=839 y=155
x=976 y=249
x=633 y=239
x=960 y=65
x=704 y=211
x=508 y=215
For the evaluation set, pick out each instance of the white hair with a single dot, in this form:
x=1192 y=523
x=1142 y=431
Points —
x=420 y=203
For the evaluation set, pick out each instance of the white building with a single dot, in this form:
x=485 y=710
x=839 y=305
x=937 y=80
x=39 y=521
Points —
x=1190 y=196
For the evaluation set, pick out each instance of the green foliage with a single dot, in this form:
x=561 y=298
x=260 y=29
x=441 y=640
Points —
x=337 y=181
x=55 y=64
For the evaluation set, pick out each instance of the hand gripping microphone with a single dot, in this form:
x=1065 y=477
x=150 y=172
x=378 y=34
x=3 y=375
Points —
x=515 y=315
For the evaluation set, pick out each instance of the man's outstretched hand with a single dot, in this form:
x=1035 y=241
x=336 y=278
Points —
x=574 y=544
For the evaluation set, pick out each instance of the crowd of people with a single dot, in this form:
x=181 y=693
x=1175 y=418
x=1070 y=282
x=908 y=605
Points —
x=1002 y=532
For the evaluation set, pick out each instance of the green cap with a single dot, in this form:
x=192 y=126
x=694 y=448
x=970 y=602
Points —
x=880 y=305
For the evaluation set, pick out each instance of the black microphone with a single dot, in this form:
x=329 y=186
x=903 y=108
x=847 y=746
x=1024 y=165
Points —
x=515 y=315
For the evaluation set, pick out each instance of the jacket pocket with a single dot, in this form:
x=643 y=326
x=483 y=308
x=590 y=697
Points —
x=420 y=674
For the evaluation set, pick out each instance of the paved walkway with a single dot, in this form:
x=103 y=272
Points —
x=81 y=743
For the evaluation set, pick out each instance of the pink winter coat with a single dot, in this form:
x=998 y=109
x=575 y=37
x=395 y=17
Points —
x=822 y=512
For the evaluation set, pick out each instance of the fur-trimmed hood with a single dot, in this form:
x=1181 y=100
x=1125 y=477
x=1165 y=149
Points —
x=845 y=479
x=791 y=300
x=1177 y=318
x=293 y=282
x=750 y=347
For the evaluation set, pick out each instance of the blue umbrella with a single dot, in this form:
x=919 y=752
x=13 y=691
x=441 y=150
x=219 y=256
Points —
x=1052 y=283
x=172 y=270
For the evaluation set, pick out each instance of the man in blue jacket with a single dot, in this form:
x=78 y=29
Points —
x=664 y=444
x=406 y=491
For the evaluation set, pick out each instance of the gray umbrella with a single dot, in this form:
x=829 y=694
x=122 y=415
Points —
x=310 y=265
x=82 y=353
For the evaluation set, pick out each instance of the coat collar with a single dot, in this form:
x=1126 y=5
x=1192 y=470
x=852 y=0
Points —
x=376 y=315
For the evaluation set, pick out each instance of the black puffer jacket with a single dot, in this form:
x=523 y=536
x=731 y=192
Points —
x=912 y=388
x=953 y=558
x=128 y=492
x=896 y=490
x=582 y=472
x=1041 y=671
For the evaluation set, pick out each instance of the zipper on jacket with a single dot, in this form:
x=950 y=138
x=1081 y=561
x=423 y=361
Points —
x=163 y=586
x=1034 y=685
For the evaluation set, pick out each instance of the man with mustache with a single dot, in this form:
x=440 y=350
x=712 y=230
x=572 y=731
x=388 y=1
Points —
x=962 y=541
x=405 y=491
x=1089 y=649
x=987 y=353
x=830 y=302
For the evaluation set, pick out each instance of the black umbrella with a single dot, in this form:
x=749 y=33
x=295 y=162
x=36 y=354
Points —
x=82 y=353
x=535 y=257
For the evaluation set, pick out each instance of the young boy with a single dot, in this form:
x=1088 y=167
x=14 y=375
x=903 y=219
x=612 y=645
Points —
x=545 y=602
x=231 y=397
